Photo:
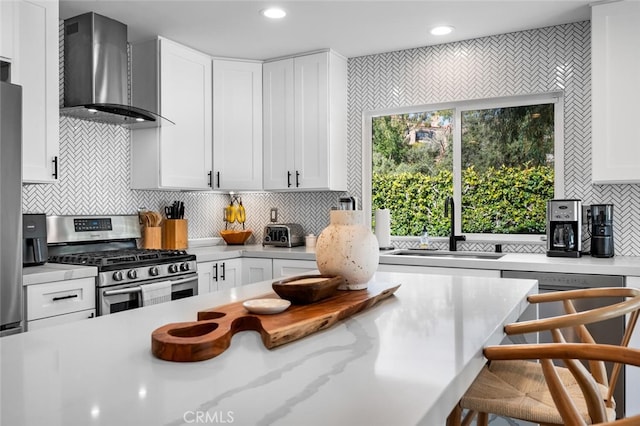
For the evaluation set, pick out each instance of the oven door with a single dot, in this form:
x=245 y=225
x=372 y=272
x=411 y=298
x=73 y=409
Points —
x=129 y=296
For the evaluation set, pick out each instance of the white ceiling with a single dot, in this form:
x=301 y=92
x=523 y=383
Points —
x=353 y=28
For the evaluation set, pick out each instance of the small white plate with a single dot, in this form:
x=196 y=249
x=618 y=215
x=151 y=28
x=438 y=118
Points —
x=266 y=306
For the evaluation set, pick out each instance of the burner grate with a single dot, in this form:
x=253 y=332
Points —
x=122 y=258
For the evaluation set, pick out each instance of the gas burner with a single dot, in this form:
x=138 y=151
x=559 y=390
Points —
x=108 y=259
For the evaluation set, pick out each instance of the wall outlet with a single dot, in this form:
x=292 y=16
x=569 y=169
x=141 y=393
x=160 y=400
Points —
x=274 y=214
x=586 y=214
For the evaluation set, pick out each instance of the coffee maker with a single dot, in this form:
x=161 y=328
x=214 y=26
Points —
x=564 y=228
x=602 y=230
x=34 y=243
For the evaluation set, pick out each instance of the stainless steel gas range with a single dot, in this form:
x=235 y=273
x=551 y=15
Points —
x=110 y=244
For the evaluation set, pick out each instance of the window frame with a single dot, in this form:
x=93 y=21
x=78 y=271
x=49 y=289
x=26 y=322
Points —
x=556 y=98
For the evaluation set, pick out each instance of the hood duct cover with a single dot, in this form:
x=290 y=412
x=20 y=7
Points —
x=95 y=73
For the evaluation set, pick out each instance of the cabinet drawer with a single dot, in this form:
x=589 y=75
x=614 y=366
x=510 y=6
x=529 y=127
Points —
x=60 y=319
x=60 y=297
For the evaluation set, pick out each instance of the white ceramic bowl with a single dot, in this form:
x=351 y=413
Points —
x=266 y=306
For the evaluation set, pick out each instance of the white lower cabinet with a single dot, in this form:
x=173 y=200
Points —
x=632 y=375
x=228 y=273
x=289 y=267
x=255 y=270
x=219 y=275
x=60 y=302
x=436 y=270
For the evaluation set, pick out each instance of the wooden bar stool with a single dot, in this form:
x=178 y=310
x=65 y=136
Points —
x=565 y=403
x=519 y=388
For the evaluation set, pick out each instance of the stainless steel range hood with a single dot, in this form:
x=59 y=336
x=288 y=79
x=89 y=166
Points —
x=95 y=73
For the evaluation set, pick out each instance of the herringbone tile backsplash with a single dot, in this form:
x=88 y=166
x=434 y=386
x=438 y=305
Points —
x=94 y=158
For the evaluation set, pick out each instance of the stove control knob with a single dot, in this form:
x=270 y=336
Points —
x=117 y=276
x=173 y=268
x=154 y=271
x=184 y=267
x=132 y=274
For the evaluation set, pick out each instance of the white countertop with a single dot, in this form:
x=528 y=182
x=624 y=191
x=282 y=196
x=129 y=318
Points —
x=50 y=272
x=404 y=361
x=618 y=265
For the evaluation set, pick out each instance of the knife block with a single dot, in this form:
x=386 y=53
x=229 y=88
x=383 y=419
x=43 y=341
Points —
x=174 y=234
x=152 y=237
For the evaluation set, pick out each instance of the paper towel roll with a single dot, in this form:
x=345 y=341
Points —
x=383 y=227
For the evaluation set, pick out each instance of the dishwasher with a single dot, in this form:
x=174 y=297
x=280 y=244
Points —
x=606 y=332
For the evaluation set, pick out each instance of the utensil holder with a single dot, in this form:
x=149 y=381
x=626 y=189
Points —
x=152 y=237
x=174 y=234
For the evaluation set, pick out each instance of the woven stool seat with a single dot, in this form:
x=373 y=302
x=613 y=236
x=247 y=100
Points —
x=517 y=389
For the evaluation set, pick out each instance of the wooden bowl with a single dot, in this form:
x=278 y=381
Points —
x=305 y=289
x=235 y=237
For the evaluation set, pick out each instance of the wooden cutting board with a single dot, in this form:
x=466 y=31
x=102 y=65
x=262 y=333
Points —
x=211 y=334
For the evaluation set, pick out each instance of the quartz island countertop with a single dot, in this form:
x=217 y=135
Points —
x=404 y=361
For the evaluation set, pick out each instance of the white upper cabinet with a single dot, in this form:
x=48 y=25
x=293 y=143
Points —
x=305 y=123
x=35 y=68
x=6 y=29
x=237 y=125
x=615 y=67
x=174 y=81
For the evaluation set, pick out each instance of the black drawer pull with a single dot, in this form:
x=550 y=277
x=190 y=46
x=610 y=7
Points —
x=70 y=296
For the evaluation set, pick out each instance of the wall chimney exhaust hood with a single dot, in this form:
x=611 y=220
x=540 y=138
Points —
x=95 y=74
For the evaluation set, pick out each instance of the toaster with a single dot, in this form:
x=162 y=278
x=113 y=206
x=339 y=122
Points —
x=283 y=235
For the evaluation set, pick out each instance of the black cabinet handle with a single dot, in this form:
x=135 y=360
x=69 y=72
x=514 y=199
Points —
x=55 y=167
x=223 y=270
x=215 y=272
x=209 y=184
x=70 y=296
x=218 y=179
x=297 y=179
x=288 y=179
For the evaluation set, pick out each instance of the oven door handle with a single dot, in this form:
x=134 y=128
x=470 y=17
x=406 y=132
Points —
x=138 y=288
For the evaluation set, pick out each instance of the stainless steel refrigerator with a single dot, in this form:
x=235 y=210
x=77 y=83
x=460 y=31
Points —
x=11 y=305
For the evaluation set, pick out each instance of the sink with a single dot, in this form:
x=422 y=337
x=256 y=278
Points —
x=447 y=254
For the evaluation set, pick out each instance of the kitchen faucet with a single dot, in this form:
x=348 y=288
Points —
x=449 y=210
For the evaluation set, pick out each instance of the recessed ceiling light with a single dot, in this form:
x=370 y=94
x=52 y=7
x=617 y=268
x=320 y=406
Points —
x=273 y=13
x=441 y=30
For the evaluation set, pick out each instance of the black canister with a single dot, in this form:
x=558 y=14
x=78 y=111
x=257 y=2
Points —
x=602 y=230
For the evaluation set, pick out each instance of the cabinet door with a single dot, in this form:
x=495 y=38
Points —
x=289 y=268
x=6 y=32
x=256 y=270
x=60 y=319
x=35 y=68
x=278 y=130
x=311 y=121
x=229 y=273
x=206 y=284
x=615 y=90
x=185 y=92
x=438 y=270
x=237 y=125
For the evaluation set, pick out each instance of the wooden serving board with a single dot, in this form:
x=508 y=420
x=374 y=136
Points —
x=211 y=334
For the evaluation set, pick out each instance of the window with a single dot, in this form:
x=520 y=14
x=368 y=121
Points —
x=497 y=158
